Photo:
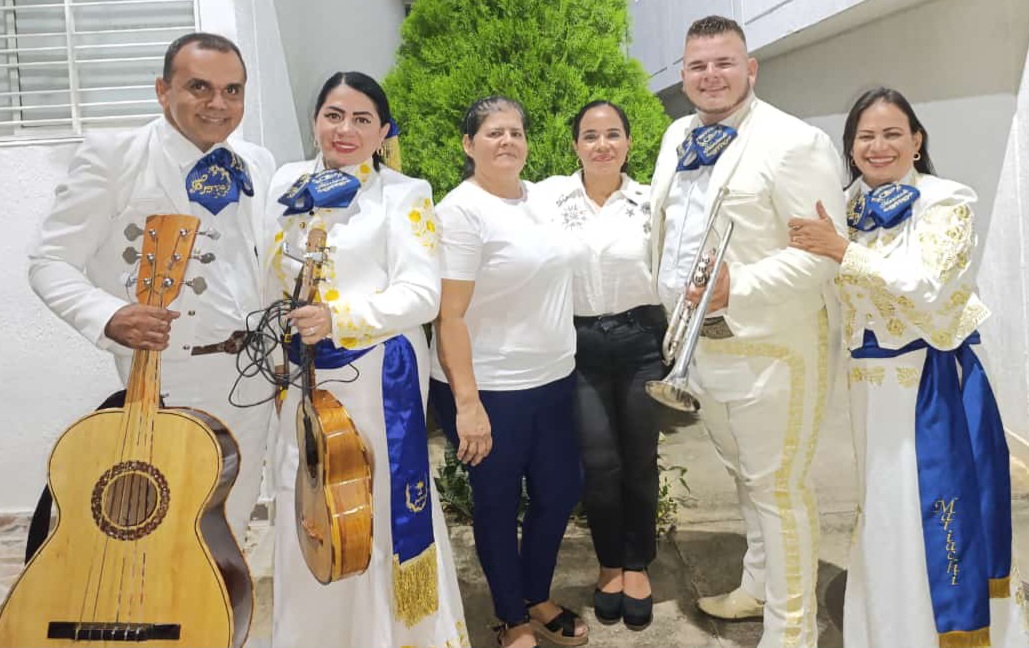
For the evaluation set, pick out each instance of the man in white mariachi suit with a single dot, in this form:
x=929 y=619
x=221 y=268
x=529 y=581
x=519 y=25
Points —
x=761 y=370
x=82 y=270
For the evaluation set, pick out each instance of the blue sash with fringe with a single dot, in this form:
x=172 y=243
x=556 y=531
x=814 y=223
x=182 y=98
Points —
x=415 y=592
x=964 y=485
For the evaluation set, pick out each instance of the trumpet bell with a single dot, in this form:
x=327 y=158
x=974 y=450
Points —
x=671 y=395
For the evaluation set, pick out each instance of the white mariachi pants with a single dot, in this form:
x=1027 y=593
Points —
x=763 y=402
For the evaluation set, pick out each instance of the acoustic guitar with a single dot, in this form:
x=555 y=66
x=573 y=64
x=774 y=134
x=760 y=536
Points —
x=334 y=478
x=141 y=552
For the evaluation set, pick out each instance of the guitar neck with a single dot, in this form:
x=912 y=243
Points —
x=143 y=391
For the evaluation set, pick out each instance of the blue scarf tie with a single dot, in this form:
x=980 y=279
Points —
x=415 y=574
x=327 y=189
x=885 y=206
x=964 y=485
x=704 y=145
x=216 y=180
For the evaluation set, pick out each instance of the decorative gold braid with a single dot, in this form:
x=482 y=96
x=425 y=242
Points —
x=415 y=587
x=960 y=639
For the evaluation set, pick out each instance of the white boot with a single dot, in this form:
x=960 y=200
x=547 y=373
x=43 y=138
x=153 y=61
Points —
x=735 y=605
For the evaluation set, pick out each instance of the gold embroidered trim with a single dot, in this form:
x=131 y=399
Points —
x=1000 y=587
x=873 y=375
x=795 y=602
x=958 y=639
x=908 y=376
x=423 y=224
x=943 y=327
x=415 y=587
x=460 y=641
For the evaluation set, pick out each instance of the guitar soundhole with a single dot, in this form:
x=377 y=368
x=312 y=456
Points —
x=130 y=500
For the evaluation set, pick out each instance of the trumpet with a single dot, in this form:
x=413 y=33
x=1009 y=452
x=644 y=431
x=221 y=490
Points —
x=687 y=319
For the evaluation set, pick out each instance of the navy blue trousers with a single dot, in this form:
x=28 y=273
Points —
x=534 y=440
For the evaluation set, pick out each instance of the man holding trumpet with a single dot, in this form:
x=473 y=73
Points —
x=761 y=367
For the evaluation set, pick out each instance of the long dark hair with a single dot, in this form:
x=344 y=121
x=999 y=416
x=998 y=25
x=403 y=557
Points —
x=886 y=95
x=477 y=114
x=577 y=122
x=367 y=86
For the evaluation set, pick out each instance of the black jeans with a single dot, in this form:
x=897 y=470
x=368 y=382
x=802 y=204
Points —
x=618 y=432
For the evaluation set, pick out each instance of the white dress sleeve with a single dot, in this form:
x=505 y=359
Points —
x=918 y=282
x=79 y=222
x=411 y=297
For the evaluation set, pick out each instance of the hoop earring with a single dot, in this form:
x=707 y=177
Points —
x=918 y=156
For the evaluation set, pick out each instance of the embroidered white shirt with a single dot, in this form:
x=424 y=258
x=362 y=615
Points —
x=613 y=272
x=685 y=222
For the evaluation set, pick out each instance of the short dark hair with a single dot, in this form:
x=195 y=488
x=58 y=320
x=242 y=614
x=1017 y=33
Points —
x=713 y=26
x=577 y=121
x=477 y=114
x=367 y=86
x=203 y=40
x=885 y=95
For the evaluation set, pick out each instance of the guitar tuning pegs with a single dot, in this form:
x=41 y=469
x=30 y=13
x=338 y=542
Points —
x=205 y=257
x=198 y=285
x=131 y=281
x=130 y=255
x=211 y=233
x=133 y=231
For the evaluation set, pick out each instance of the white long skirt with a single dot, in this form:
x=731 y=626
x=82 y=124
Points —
x=356 y=611
x=887 y=601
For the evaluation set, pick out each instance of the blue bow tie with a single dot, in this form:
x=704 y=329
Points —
x=885 y=206
x=329 y=188
x=216 y=180
x=703 y=146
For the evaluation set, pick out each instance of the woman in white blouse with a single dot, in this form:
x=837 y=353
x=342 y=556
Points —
x=381 y=284
x=620 y=326
x=503 y=378
x=931 y=564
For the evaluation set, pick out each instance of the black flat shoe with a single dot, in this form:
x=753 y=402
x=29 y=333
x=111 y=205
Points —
x=607 y=606
x=637 y=613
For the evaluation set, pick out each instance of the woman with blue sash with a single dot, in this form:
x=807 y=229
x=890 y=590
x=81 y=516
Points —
x=931 y=564
x=381 y=284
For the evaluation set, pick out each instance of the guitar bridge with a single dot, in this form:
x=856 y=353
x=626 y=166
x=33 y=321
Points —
x=92 y=631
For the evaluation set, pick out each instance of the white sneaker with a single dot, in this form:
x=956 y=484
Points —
x=734 y=606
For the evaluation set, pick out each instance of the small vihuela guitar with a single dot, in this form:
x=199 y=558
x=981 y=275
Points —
x=334 y=479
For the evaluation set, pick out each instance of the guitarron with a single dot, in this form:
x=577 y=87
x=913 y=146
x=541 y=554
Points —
x=334 y=478
x=141 y=551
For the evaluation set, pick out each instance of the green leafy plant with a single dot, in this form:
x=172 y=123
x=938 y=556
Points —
x=552 y=55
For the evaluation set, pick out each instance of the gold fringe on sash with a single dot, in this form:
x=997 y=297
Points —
x=960 y=639
x=390 y=152
x=415 y=587
x=1000 y=587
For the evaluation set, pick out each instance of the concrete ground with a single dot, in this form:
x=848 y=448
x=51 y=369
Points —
x=700 y=556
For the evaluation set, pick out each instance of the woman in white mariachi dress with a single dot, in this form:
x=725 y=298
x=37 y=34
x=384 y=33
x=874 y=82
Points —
x=931 y=563
x=619 y=325
x=381 y=285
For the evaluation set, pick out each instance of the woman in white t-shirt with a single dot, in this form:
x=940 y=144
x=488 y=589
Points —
x=503 y=379
x=619 y=325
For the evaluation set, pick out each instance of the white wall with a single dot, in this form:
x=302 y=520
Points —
x=50 y=376
x=322 y=37
x=1002 y=278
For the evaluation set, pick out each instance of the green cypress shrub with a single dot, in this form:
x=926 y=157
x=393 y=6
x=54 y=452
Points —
x=554 y=56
